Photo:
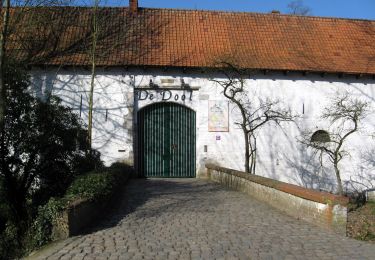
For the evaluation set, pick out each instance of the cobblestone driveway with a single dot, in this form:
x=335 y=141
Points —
x=194 y=219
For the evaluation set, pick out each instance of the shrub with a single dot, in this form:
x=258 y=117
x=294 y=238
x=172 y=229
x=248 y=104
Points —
x=97 y=185
x=42 y=150
x=94 y=186
x=41 y=229
x=10 y=245
x=361 y=221
x=87 y=162
x=40 y=147
x=3 y=210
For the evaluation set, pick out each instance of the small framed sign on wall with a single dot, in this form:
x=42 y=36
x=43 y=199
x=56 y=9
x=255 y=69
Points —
x=218 y=116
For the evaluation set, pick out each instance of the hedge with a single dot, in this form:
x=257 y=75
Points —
x=93 y=186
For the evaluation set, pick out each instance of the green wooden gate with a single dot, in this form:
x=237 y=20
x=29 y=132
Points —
x=166 y=141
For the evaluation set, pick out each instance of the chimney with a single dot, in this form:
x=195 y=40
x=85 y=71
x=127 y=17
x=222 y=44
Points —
x=133 y=6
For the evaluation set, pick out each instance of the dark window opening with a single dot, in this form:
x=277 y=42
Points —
x=320 y=136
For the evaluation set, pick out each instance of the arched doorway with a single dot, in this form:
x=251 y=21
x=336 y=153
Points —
x=166 y=141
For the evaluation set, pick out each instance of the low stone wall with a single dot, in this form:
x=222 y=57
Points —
x=75 y=217
x=320 y=208
x=81 y=214
x=370 y=195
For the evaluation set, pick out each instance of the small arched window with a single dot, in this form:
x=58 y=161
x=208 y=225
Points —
x=320 y=136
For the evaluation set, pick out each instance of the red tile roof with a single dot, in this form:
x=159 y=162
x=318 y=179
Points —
x=188 y=38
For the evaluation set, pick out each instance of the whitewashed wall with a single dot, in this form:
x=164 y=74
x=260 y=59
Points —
x=113 y=111
x=280 y=155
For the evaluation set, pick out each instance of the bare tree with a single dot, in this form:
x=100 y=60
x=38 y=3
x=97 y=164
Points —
x=344 y=114
x=297 y=7
x=254 y=115
x=95 y=32
x=10 y=20
x=112 y=34
x=94 y=35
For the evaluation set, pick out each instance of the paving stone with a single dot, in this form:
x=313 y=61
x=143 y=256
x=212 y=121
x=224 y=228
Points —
x=195 y=219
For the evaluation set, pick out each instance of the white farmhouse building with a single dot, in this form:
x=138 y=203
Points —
x=156 y=107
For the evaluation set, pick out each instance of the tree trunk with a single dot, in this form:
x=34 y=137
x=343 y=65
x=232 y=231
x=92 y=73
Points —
x=340 y=189
x=93 y=72
x=254 y=155
x=3 y=37
x=91 y=103
x=15 y=196
x=251 y=155
x=247 y=151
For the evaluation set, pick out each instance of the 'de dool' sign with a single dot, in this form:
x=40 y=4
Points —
x=164 y=95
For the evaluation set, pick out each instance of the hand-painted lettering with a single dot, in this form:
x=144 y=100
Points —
x=142 y=95
x=165 y=95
